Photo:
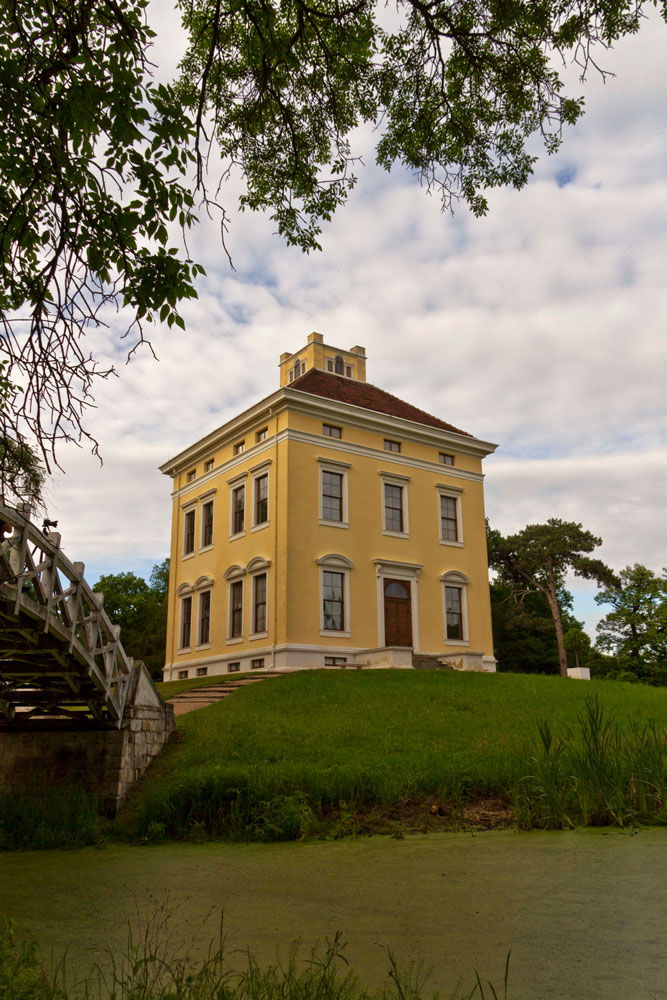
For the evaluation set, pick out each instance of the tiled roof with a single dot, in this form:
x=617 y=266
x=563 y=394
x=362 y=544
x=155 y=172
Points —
x=347 y=390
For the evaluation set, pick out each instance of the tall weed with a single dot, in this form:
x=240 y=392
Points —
x=153 y=969
x=63 y=817
x=601 y=773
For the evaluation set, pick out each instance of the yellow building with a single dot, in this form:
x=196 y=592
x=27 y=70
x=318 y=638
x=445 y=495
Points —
x=330 y=523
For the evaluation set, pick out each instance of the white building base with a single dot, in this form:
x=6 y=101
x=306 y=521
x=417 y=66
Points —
x=288 y=658
x=386 y=656
x=470 y=662
x=579 y=673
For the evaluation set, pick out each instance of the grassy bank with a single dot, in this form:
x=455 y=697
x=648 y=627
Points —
x=338 y=753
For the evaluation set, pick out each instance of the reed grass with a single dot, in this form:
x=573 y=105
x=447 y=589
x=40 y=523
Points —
x=152 y=969
x=602 y=772
x=65 y=818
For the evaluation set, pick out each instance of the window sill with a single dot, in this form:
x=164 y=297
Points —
x=457 y=642
x=239 y=534
x=205 y=645
x=188 y=555
x=237 y=638
x=457 y=545
x=334 y=524
x=339 y=635
x=395 y=534
x=259 y=527
x=184 y=649
x=258 y=635
x=206 y=548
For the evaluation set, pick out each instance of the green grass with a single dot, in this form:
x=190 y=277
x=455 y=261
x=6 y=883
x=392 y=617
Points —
x=310 y=753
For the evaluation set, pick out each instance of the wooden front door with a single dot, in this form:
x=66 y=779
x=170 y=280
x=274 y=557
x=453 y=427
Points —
x=397 y=613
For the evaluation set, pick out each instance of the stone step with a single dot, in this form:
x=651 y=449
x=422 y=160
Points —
x=423 y=661
x=194 y=698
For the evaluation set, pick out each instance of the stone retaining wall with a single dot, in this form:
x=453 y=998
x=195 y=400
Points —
x=104 y=762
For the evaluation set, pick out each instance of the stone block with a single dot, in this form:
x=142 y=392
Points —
x=579 y=673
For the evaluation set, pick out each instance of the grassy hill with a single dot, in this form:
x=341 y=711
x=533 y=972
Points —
x=333 y=753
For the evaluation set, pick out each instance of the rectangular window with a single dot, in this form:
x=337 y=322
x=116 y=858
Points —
x=189 y=532
x=182 y=675
x=186 y=621
x=449 y=527
x=391 y=445
x=332 y=496
x=208 y=465
x=238 y=510
x=445 y=459
x=262 y=435
x=257 y=664
x=239 y=447
x=207 y=524
x=233 y=668
x=334 y=661
x=393 y=507
x=348 y=371
x=236 y=609
x=262 y=499
x=329 y=430
x=330 y=365
x=259 y=603
x=205 y=618
x=202 y=671
x=192 y=475
x=454 y=612
x=332 y=596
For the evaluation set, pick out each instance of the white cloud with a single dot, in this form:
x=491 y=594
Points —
x=539 y=327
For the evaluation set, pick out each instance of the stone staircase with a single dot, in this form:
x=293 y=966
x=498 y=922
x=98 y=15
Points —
x=422 y=661
x=188 y=701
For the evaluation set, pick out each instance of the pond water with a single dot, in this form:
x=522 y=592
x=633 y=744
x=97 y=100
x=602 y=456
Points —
x=584 y=913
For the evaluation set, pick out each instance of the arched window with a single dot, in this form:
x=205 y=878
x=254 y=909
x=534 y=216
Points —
x=339 y=366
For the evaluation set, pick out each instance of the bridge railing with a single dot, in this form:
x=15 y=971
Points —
x=59 y=651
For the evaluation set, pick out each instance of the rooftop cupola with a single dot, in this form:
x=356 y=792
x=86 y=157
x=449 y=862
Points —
x=316 y=354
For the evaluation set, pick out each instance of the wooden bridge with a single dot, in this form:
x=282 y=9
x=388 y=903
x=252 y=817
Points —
x=60 y=656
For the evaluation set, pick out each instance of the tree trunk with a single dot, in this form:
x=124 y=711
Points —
x=555 y=613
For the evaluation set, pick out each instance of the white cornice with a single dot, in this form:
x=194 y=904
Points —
x=389 y=457
x=299 y=401
x=213 y=440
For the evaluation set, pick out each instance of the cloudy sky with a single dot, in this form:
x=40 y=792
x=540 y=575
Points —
x=539 y=327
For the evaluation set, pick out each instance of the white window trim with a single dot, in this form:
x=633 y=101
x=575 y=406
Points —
x=235 y=484
x=183 y=592
x=392 y=479
x=454 y=578
x=341 y=468
x=189 y=508
x=409 y=572
x=200 y=593
x=336 y=563
x=207 y=498
x=235 y=574
x=257 y=473
x=455 y=493
x=254 y=569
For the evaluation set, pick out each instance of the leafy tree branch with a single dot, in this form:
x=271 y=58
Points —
x=100 y=165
